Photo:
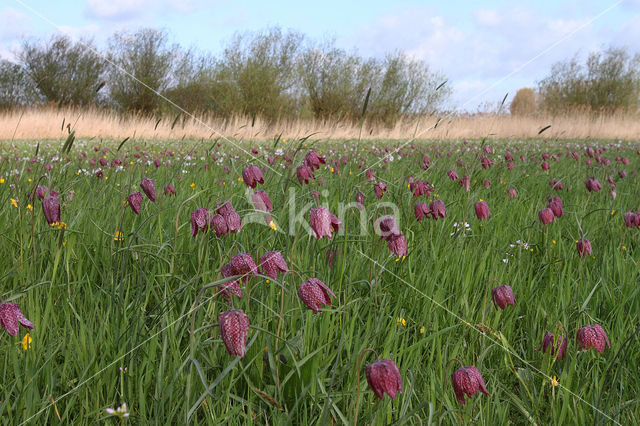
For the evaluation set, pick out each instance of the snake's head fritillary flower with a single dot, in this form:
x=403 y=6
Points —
x=512 y=193
x=486 y=163
x=622 y=174
x=234 y=327
x=452 y=175
x=271 y=262
x=219 y=225
x=323 y=222
x=371 y=175
x=467 y=381
x=149 y=188
x=508 y=156
x=503 y=296
x=243 y=264
x=51 y=209
x=41 y=192
x=561 y=345
x=556 y=208
x=388 y=227
x=315 y=294
x=199 y=221
x=252 y=176
x=304 y=174
x=135 y=200
x=360 y=200
x=631 y=219
x=584 y=247
x=544 y=166
x=482 y=210
x=397 y=245
x=384 y=377
x=420 y=188
x=420 y=210
x=556 y=184
x=379 y=188
x=546 y=216
x=170 y=190
x=261 y=201
x=11 y=318
x=593 y=185
x=593 y=336
x=313 y=160
x=230 y=288
x=437 y=209
x=465 y=182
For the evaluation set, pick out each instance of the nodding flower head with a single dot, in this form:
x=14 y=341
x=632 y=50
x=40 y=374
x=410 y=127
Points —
x=593 y=185
x=388 y=227
x=51 y=209
x=467 y=381
x=371 y=175
x=512 y=193
x=315 y=294
x=482 y=210
x=135 y=200
x=437 y=209
x=313 y=160
x=384 y=377
x=271 y=262
x=234 y=327
x=304 y=174
x=420 y=188
x=593 y=336
x=149 y=188
x=546 y=216
x=360 y=200
x=560 y=345
x=420 y=210
x=252 y=176
x=261 y=201
x=41 y=192
x=465 y=182
x=230 y=288
x=631 y=219
x=555 y=204
x=379 y=188
x=452 y=175
x=170 y=190
x=397 y=245
x=199 y=221
x=503 y=296
x=323 y=222
x=243 y=264
x=584 y=247
x=11 y=318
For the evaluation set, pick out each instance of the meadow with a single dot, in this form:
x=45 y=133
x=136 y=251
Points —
x=126 y=305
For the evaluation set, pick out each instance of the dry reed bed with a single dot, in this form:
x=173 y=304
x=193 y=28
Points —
x=48 y=123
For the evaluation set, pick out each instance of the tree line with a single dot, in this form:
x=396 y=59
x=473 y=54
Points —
x=271 y=74
x=275 y=74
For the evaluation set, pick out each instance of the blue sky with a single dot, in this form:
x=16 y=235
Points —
x=486 y=49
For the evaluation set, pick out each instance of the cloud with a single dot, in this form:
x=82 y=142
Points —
x=117 y=10
x=12 y=24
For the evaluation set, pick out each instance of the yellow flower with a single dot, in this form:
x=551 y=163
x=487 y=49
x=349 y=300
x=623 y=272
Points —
x=531 y=250
x=193 y=185
x=272 y=225
x=553 y=241
x=240 y=179
x=284 y=140
x=118 y=236
x=1 y=180
x=613 y=212
x=29 y=180
x=554 y=381
x=26 y=342
x=422 y=330
x=29 y=207
x=14 y=203
x=332 y=169
x=623 y=248
x=401 y=322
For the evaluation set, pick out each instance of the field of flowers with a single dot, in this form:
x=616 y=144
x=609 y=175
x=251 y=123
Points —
x=315 y=282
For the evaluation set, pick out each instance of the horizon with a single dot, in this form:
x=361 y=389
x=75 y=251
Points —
x=485 y=53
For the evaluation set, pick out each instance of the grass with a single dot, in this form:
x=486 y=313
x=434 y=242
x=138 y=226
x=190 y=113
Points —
x=113 y=318
x=48 y=123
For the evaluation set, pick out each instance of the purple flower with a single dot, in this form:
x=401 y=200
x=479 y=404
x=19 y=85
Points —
x=234 y=327
x=315 y=294
x=379 y=188
x=465 y=182
x=503 y=296
x=41 y=192
x=323 y=222
x=593 y=185
x=384 y=377
x=561 y=345
x=304 y=174
x=261 y=201
x=135 y=200
x=149 y=188
x=420 y=210
x=631 y=219
x=512 y=193
x=397 y=245
x=313 y=160
x=556 y=207
x=199 y=221
x=452 y=175
x=243 y=264
x=437 y=209
x=482 y=210
x=170 y=190
x=11 y=316
x=360 y=200
x=467 y=381
x=592 y=336
x=546 y=216
x=584 y=247
x=51 y=209
x=230 y=287
x=271 y=262
x=252 y=176
x=219 y=225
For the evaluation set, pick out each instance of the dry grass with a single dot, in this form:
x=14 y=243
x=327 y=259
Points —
x=48 y=123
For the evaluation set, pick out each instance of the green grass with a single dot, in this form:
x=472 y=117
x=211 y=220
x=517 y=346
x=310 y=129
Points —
x=113 y=319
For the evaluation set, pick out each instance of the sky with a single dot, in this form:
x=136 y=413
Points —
x=486 y=49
